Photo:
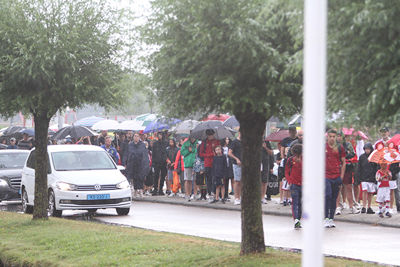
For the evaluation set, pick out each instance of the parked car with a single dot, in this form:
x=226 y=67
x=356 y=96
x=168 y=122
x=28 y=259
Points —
x=11 y=163
x=80 y=177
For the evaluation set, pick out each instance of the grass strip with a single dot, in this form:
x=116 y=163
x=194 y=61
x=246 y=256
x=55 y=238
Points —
x=61 y=242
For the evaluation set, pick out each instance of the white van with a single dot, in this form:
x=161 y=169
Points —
x=80 y=177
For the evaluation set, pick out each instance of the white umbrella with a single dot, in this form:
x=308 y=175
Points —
x=131 y=125
x=185 y=127
x=106 y=125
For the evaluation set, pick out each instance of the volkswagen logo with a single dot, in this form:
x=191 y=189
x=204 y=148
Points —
x=97 y=187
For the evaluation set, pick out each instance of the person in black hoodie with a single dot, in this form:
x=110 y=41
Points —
x=138 y=164
x=219 y=172
x=159 y=164
x=366 y=172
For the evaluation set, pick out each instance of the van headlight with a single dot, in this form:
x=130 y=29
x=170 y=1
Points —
x=3 y=182
x=123 y=185
x=66 y=186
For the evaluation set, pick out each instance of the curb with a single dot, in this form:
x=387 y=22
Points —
x=393 y=222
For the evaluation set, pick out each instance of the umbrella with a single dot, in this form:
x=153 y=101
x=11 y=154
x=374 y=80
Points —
x=350 y=131
x=185 y=127
x=88 y=121
x=385 y=155
x=74 y=132
x=12 y=130
x=221 y=132
x=277 y=136
x=106 y=125
x=131 y=125
x=231 y=122
x=216 y=117
x=160 y=124
x=395 y=140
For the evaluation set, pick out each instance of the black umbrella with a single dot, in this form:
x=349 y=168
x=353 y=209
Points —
x=12 y=130
x=231 y=122
x=73 y=131
x=221 y=132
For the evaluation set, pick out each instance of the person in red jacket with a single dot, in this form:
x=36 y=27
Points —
x=293 y=173
x=207 y=153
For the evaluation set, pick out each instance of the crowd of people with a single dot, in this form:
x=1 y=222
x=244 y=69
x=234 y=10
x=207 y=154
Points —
x=210 y=169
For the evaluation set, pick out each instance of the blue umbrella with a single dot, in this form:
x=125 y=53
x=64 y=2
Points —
x=159 y=125
x=88 y=121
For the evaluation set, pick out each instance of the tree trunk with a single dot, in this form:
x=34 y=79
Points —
x=252 y=127
x=41 y=194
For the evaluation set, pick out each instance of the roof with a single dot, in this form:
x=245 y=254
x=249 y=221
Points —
x=60 y=148
x=9 y=151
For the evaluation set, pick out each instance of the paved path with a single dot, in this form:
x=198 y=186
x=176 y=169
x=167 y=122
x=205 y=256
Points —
x=358 y=241
x=274 y=208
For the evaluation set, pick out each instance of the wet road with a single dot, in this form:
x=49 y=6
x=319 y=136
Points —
x=358 y=241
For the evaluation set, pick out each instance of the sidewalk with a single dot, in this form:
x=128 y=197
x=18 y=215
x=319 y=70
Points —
x=274 y=208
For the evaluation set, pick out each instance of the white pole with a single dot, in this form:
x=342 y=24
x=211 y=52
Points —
x=315 y=18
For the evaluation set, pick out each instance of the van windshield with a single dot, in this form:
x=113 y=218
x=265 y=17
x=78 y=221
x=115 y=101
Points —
x=82 y=160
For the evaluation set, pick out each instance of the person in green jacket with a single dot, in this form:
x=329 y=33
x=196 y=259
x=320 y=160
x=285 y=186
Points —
x=189 y=151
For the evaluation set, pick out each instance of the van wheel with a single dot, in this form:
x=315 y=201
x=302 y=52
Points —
x=25 y=207
x=52 y=211
x=123 y=211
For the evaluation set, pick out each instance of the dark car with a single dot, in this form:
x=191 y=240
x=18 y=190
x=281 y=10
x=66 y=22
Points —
x=11 y=163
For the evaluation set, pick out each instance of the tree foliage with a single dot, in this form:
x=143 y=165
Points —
x=237 y=56
x=364 y=69
x=56 y=54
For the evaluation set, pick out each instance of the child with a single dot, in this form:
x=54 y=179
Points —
x=383 y=176
x=366 y=172
x=293 y=174
x=285 y=187
x=199 y=169
x=218 y=172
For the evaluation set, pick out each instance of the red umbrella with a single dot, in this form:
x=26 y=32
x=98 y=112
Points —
x=278 y=136
x=395 y=140
x=350 y=131
x=216 y=117
x=385 y=155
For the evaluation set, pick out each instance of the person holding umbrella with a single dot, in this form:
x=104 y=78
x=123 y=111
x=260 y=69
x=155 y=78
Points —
x=189 y=151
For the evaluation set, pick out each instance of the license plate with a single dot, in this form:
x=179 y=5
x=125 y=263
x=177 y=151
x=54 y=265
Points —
x=98 y=196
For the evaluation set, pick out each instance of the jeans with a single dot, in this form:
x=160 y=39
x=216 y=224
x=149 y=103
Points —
x=159 y=169
x=296 y=201
x=332 y=187
x=210 y=185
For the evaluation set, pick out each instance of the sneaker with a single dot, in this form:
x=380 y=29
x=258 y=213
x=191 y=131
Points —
x=363 y=210
x=172 y=194
x=231 y=193
x=223 y=201
x=213 y=201
x=345 y=205
x=354 y=210
x=263 y=201
x=390 y=211
x=285 y=203
x=297 y=224
x=338 y=211
x=370 y=211
x=326 y=223
x=380 y=214
x=161 y=193
x=155 y=193
x=268 y=199
x=236 y=202
x=192 y=197
x=388 y=214
x=358 y=205
x=331 y=223
x=187 y=198
x=147 y=193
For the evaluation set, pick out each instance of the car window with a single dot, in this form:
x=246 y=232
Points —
x=81 y=160
x=31 y=162
x=12 y=160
